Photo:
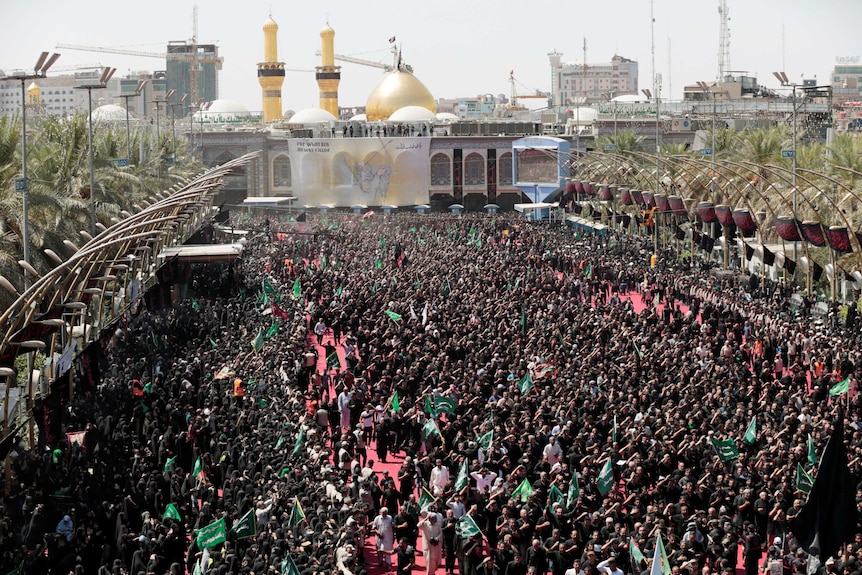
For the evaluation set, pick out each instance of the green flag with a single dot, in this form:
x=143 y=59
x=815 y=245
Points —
x=660 y=566
x=462 y=479
x=430 y=430
x=523 y=321
x=803 y=480
x=446 y=289
x=262 y=403
x=574 y=491
x=172 y=512
x=297 y=515
x=377 y=263
x=279 y=443
x=486 y=439
x=213 y=534
x=840 y=388
x=605 y=480
x=443 y=404
x=555 y=496
x=170 y=462
x=195 y=305
x=299 y=440
x=812 y=454
x=751 y=433
x=245 y=526
x=428 y=405
x=339 y=291
x=637 y=350
x=637 y=556
x=467 y=527
x=213 y=343
x=425 y=499
x=393 y=316
x=323 y=263
x=395 y=403
x=523 y=491
x=288 y=567
x=273 y=329
x=297 y=289
x=526 y=384
x=726 y=448
x=198 y=468
x=257 y=342
x=266 y=286
x=332 y=360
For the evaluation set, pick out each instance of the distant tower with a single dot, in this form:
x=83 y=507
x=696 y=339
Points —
x=270 y=73
x=554 y=58
x=723 y=40
x=328 y=74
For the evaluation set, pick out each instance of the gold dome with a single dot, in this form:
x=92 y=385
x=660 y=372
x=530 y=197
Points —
x=398 y=89
x=327 y=31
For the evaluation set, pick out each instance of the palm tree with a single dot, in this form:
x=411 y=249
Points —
x=10 y=205
x=846 y=152
x=763 y=145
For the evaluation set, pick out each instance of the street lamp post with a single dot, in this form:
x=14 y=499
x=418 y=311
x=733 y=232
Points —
x=157 y=102
x=39 y=71
x=785 y=82
x=107 y=74
x=174 y=126
x=126 y=97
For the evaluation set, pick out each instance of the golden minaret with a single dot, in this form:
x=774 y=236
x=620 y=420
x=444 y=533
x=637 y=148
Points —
x=270 y=73
x=328 y=74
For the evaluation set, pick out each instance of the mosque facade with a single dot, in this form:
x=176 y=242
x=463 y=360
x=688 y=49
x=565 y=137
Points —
x=399 y=153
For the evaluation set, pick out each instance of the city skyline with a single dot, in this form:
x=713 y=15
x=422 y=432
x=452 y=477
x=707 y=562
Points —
x=456 y=49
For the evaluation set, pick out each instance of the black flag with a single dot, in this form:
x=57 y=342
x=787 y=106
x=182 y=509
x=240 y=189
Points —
x=828 y=517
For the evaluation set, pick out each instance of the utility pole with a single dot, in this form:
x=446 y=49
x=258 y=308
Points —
x=101 y=84
x=39 y=71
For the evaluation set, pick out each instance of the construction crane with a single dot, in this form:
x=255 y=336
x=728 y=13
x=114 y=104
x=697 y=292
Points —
x=385 y=67
x=515 y=96
x=193 y=57
x=74 y=68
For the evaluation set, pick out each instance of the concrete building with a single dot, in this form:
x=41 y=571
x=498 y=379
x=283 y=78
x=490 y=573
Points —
x=847 y=79
x=179 y=72
x=588 y=82
x=477 y=108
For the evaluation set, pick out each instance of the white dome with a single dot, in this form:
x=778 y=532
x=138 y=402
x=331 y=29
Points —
x=109 y=113
x=630 y=98
x=312 y=116
x=227 y=107
x=359 y=118
x=412 y=114
x=447 y=117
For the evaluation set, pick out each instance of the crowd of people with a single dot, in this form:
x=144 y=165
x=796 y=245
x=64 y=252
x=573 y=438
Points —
x=500 y=369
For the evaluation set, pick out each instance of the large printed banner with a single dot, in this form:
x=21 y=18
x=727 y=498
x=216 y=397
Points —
x=351 y=171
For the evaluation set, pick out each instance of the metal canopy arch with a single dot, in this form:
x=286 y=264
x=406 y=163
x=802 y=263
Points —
x=169 y=220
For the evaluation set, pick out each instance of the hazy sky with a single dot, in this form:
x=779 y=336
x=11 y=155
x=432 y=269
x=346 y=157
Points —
x=457 y=48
